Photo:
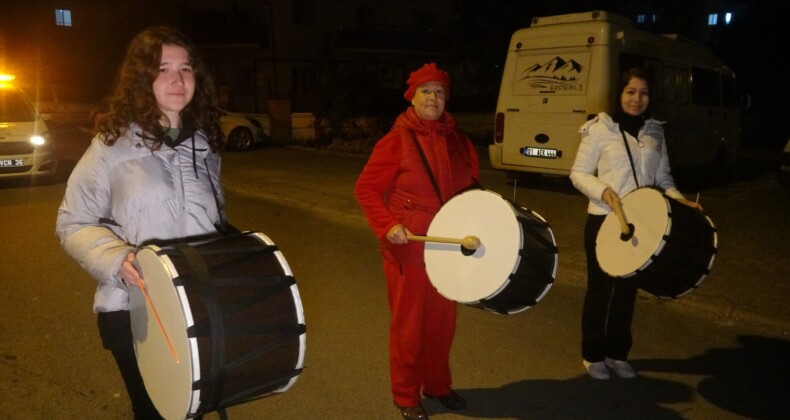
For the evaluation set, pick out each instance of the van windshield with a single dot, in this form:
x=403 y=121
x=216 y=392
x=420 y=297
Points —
x=14 y=107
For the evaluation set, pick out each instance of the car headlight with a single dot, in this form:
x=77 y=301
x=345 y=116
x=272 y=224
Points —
x=38 y=140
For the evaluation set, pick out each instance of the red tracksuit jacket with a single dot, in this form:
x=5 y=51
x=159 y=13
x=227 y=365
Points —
x=395 y=188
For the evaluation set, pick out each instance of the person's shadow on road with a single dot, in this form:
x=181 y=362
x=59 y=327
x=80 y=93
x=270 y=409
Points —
x=749 y=381
x=577 y=398
x=752 y=380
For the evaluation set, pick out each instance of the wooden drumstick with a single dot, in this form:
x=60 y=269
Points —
x=625 y=227
x=469 y=242
x=159 y=322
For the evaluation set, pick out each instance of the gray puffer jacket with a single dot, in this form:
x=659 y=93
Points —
x=124 y=196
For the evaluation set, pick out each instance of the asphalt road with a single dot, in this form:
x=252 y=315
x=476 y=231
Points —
x=720 y=352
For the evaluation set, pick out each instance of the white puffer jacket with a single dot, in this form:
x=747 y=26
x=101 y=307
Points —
x=602 y=161
x=121 y=197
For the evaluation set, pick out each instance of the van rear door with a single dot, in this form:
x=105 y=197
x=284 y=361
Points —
x=543 y=107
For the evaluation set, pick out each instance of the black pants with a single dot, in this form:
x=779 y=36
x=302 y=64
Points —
x=115 y=330
x=608 y=306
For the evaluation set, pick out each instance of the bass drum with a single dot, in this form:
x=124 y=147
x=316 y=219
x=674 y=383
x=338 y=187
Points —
x=234 y=319
x=672 y=248
x=515 y=265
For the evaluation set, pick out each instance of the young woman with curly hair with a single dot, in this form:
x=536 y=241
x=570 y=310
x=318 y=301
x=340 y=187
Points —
x=150 y=175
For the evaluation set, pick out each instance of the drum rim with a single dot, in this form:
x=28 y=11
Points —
x=462 y=198
x=610 y=220
x=192 y=398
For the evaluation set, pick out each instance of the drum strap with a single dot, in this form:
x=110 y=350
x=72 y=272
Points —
x=630 y=158
x=406 y=133
x=215 y=381
x=223 y=226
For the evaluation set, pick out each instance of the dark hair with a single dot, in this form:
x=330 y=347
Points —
x=625 y=78
x=133 y=100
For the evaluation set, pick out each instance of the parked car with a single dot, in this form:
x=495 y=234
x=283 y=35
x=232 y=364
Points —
x=63 y=105
x=784 y=165
x=25 y=144
x=244 y=130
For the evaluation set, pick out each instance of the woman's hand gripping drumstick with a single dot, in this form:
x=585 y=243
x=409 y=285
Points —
x=400 y=235
x=613 y=201
x=130 y=275
x=693 y=204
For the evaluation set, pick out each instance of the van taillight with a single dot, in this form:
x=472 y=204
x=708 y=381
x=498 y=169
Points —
x=499 y=127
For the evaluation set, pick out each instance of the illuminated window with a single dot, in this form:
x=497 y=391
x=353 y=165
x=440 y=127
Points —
x=63 y=17
x=640 y=19
x=727 y=18
x=713 y=19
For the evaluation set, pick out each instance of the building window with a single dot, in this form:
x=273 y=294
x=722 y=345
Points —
x=713 y=19
x=62 y=17
x=727 y=18
x=304 y=12
x=304 y=80
x=640 y=19
x=366 y=18
x=424 y=20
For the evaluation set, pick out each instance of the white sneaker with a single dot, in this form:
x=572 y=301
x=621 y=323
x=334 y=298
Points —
x=622 y=368
x=597 y=370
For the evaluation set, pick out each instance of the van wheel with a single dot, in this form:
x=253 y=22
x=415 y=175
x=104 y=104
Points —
x=240 y=139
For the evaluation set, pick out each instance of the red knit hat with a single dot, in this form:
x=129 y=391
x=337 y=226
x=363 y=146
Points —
x=426 y=73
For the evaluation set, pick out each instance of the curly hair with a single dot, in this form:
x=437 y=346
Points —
x=133 y=100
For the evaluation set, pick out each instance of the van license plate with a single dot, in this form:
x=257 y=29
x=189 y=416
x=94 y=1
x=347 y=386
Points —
x=540 y=152
x=12 y=162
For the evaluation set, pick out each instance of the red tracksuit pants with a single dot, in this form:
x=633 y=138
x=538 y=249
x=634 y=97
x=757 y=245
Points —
x=421 y=334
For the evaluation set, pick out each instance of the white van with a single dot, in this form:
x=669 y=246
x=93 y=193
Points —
x=25 y=145
x=563 y=70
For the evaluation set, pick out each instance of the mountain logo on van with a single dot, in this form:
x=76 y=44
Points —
x=556 y=74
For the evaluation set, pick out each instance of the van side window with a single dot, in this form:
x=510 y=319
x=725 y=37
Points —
x=682 y=82
x=705 y=87
x=669 y=81
x=729 y=91
x=655 y=68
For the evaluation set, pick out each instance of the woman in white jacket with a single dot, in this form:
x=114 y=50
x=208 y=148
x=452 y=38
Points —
x=603 y=172
x=151 y=174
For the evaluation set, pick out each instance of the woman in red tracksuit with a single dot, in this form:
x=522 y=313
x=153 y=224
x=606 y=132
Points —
x=400 y=197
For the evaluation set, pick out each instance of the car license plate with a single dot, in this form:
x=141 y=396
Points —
x=12 y=162
x=541 y=152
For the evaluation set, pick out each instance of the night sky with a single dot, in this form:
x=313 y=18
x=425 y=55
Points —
x=752 y=45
